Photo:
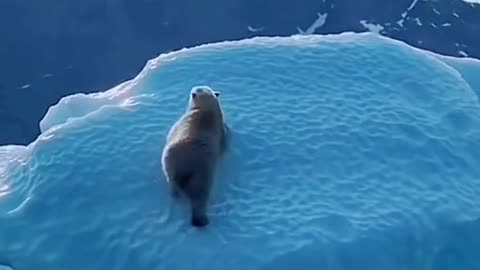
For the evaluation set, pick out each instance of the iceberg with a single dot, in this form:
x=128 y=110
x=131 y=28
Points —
x=348 y=151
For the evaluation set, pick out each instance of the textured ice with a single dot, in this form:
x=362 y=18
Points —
x=349 y=151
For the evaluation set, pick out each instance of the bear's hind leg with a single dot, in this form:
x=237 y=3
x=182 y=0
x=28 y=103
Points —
x=199 y=212
x=198 y=193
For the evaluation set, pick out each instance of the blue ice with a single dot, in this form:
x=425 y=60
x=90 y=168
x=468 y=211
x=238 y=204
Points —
x=349 y=151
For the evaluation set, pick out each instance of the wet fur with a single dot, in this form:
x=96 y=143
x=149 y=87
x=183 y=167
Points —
x=193 y=148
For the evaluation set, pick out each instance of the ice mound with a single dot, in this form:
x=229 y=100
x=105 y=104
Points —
x=349 y=151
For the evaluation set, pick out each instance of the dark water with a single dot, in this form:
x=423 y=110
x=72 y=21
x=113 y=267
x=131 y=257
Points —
x=50 y=49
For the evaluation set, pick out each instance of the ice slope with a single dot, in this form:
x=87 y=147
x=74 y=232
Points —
x=349 y=151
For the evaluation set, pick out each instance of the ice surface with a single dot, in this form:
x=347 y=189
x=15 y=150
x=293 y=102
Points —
x=472 y=1
x=349 y=151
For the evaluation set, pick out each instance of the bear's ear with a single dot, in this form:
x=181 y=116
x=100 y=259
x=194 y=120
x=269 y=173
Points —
x=194 y=95
x=217 y=94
